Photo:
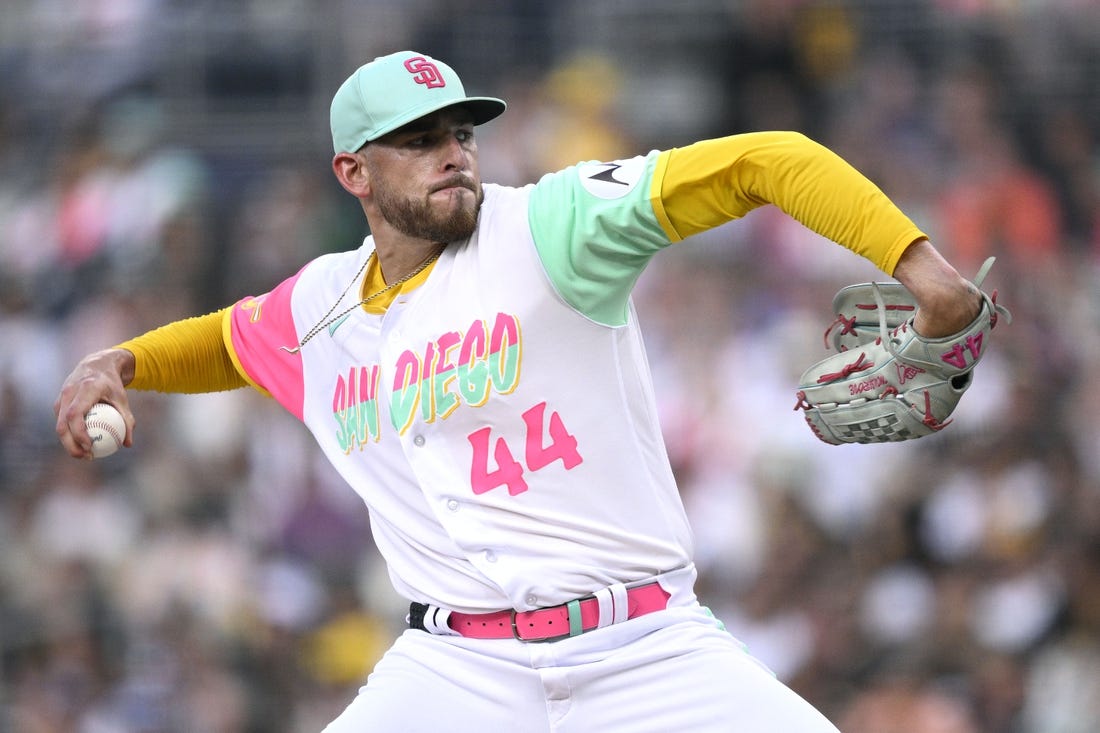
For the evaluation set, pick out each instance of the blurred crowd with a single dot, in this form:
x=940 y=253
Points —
x=218 y=577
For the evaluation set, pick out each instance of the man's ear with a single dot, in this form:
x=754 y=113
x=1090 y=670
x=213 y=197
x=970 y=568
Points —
x=351 y=172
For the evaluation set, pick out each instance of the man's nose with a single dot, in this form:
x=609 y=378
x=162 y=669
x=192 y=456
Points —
x=455 y=154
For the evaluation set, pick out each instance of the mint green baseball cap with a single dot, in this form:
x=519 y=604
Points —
x=394 y=90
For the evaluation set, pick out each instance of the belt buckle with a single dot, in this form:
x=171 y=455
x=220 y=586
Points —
x=517 y=637
x=515 y=630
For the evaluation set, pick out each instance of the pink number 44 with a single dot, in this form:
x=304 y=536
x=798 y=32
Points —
x=537 y=453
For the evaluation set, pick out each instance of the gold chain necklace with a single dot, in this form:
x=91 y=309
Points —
x=328 y=319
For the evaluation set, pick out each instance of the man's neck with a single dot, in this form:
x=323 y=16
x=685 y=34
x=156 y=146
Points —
x=401 y=259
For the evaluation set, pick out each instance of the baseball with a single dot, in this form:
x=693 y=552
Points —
x=106 y=428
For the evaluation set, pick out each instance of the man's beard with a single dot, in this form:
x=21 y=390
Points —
x=416 y=218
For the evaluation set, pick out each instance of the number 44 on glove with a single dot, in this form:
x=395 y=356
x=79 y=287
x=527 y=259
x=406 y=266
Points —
x=888 y=383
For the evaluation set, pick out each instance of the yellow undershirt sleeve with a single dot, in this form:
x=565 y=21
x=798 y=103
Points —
x=187 y=356
x=706 y=184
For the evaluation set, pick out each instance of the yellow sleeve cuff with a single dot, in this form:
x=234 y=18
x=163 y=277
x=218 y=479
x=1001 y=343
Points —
x=660 y=171
x=227 y=339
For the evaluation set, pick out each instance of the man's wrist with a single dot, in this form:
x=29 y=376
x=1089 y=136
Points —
x=946 y=301
x=123 y=361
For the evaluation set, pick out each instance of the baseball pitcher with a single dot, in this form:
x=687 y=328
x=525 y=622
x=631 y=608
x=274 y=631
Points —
x=475 y=372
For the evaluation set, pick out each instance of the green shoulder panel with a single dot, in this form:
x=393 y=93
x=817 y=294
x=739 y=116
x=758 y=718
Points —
x=595 y=231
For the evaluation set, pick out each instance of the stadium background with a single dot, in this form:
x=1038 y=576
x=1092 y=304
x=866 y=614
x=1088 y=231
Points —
x=160 y=158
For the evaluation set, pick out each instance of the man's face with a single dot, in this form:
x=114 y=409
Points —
x=425 y=179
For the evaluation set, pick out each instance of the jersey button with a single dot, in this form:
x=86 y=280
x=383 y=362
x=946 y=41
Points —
x=418 y=441
x=490 y=556
x=452 y=504
x=531 y=600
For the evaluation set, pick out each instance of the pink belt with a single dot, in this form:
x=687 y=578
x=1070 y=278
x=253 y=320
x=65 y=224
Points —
x=546 y=624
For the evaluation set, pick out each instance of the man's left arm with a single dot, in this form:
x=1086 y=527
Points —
x=711 y=182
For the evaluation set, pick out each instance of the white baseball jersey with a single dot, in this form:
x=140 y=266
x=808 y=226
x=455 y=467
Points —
x=499 y=420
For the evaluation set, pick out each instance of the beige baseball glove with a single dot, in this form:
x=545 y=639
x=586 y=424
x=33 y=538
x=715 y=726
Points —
x=886 y=382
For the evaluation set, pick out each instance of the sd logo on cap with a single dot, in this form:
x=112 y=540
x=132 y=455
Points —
x=394 y=90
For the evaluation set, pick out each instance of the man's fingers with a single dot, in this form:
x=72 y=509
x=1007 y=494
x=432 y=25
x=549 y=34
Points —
x=99 y=377
x=73 y=433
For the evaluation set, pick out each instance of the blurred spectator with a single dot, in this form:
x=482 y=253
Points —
x=904 y=707
x=991 y=202
x=579 y=115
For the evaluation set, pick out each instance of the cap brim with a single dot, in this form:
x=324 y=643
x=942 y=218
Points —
x=483 y=109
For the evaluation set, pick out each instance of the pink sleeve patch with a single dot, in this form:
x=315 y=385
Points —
x=259 y=329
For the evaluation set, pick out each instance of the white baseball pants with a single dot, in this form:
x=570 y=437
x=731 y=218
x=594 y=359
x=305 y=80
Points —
x=674 y=670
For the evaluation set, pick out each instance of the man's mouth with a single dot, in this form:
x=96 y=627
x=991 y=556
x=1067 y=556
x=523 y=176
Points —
x=454 y=184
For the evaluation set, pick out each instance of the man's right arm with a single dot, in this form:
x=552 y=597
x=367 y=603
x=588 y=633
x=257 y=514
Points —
x=186 y=356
